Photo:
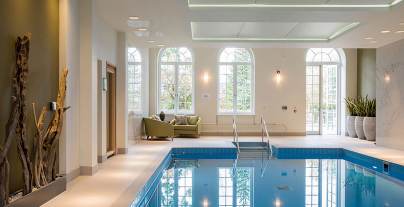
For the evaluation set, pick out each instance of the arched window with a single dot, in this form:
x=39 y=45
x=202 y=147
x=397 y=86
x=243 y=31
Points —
x=236 y=81
x=134 y=80
x=323 y=73
x=176 y=81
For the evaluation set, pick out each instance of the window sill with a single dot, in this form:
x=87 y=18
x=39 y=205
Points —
x=225 y=114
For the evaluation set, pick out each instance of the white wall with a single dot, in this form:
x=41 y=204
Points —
x=390 y=96
x=106 y=43
x=85 y=40
x=269 y=97
x=70 y=58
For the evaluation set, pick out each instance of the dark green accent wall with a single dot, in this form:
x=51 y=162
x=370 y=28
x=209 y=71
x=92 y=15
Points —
x=41 y=18
x=367 y=72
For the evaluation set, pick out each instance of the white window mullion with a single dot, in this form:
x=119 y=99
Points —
x=235 y=88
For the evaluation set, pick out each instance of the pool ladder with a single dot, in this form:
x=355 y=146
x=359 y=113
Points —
x=264 y=134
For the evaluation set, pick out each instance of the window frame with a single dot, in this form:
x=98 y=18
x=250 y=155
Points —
x=176 y=68
x=140 y=64
x=321 y=64
x=234 y=65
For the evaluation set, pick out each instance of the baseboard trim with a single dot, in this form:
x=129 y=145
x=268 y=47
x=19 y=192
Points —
x=72 y=174
x=253 y=133
x=88 y=170
x=122 y=151
x=101 y=158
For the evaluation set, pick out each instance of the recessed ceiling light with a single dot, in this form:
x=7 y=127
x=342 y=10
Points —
x=134 y=18
x=141 y=29
x=151 y=41
x=400 y=31
x=369 y=38
x=161 y=45
x=385 y=31
x=373 y=42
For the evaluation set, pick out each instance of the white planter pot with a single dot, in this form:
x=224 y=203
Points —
x=369 y=128
x=359 y=127
x=350 y=126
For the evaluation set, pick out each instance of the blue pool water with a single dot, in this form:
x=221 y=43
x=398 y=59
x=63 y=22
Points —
x=261 y=182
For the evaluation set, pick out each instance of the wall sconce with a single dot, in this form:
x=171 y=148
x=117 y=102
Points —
x=104 y=84
x=205 y=77
x=387 y=77
x=278 y=77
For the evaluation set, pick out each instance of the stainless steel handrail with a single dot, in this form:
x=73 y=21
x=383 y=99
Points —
x=235 y=134
x=264 y=129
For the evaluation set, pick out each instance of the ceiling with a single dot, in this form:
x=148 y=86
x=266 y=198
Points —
x=309 y=24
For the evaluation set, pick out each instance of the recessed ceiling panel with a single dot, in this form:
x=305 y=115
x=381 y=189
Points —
x=216 y=29
x=266 y=29
x=269 y=31
x=315 y=29
x=293 y=3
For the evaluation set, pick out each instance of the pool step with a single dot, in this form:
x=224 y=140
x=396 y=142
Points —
x=247 y=154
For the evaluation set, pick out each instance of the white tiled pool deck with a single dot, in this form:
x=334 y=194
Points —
x=119 y=178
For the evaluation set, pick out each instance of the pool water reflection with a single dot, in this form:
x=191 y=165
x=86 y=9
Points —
x=278 y=183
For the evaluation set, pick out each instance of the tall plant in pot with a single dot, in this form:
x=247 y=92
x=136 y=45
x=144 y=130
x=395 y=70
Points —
x=360 y=107
x=369 y=122
x=350 y=119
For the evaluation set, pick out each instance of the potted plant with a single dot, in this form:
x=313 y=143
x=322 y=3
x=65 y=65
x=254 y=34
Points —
x=350 y=119
x=360 y=107
x=369 y=122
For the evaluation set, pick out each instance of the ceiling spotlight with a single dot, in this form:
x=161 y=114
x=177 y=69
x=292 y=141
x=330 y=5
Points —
x=161 y=45
x=142 y=29
x=385 y=31
x=369 y=38
x=134 y=18
x=400 y=31
x=151 y=41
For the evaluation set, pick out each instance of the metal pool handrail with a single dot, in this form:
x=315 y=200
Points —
x=235 y=134
x=264 y=131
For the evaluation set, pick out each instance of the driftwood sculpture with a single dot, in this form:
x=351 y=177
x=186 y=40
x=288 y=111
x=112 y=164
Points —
x=47 y=137
x=16 y=127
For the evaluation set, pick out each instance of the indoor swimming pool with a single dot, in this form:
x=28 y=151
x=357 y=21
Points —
x=261 y=182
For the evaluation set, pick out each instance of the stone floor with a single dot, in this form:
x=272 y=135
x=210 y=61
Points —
x=120 y=177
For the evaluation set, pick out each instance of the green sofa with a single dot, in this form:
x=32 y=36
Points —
x=193 y=127
x=157 y=128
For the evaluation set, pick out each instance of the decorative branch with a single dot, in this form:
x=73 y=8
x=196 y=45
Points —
x=47 y=138
x=15 y=124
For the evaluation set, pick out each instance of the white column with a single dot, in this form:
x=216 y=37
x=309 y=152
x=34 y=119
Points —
x=69 y=57
x=88 y=90
x=121 y=96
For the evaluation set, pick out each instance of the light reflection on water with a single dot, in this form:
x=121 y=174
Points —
x=278 y=183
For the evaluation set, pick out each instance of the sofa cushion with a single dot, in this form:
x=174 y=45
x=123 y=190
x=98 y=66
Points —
x=180 y=120
x=186 y=127
x=192 y=120
x=155 y=117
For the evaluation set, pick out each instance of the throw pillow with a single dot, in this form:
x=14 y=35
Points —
x=155 y=117
x=192 y=120
x=180 y=120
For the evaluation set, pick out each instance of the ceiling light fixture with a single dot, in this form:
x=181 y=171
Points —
x=161 y=45
x=134 y=18
x=369 y=38
x=385 y=31
x=151 y=41
x=373 y=42
x=402 y=23
x=400 y=31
